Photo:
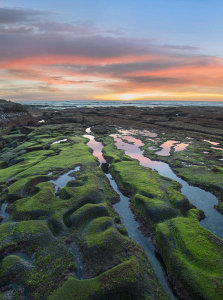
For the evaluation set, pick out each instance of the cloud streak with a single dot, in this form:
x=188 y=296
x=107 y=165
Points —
x=17 y=15
x=80 y=60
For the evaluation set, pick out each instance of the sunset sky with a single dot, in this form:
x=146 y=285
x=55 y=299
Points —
x=111 y=50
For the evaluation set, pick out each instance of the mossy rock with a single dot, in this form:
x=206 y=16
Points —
x=52 y=263
x=154 y=209
x=18 y=234
x=3 y=165
x=124 y=282
x=85 y=214
x=193 y=255
x=12 y=267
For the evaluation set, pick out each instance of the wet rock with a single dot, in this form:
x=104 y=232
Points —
x=13 y=114
x=105 y=167
x=3 y=165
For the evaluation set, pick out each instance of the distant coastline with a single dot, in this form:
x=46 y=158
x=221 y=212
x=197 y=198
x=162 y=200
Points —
x=105 y=103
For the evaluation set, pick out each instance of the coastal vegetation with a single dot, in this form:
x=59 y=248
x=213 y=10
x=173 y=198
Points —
x=60 y=234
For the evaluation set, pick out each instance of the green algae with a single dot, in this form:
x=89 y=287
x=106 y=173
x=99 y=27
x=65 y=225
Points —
x=125 y=281
x=11 y=234
x=51 y=266
x=85 y=204
x=198 y=164
x=154 y=197
x=200 y=175
x=193 y=256
x=13 y=266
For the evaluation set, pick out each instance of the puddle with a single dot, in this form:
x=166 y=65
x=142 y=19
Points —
x=180 y=147
x=3 y=212
x=200 y=198
x=166 y=147
x=41 y=121
x=128 y=220
x=216 y=148
x=88 y=130
x=96 y=147
x=62 y=180
x=210 y=142
x=59 y=141
x=80 y=273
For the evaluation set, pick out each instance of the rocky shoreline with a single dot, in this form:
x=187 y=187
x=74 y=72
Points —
x=39 y=147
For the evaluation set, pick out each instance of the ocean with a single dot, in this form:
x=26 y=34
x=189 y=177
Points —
x=91 y=103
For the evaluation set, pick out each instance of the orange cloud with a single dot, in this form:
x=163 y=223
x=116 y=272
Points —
x=152 y=76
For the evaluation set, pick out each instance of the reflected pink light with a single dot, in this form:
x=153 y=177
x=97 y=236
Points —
x=133 y=140
x=166 y=148
x=212 y=143
x=135 y=152
x=96 y=147
x=180 y=147
x=216 y=148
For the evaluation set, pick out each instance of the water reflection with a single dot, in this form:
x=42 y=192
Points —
x=63 y=179
x=216 y=148
x=166 y=147
x=88 y=130
x=180 y=147
x=201 y=199
x=59 y=141
x=96 y=147
x=128 y=220
x=210 y=142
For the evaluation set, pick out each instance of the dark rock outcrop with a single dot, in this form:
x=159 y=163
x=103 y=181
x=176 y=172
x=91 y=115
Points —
x=13 y=114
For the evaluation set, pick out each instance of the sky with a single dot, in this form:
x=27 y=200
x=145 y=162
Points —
x=111 y=50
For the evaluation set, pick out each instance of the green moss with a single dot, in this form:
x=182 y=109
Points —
x=28 y=160
x=111 y=152
x=11 y=234
x=50 y=268
x=154 y=196
x=8 y=263
x=84 y=204
x=100 y=233
x=193 y=256
x=200 y=175
x=125 y=281
x=195 y=165
x=12 y=266
x=3 y=165
x=86 y=213
x=65 y=160
x=74 y=289
x=43 y=203
x=220 y=207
